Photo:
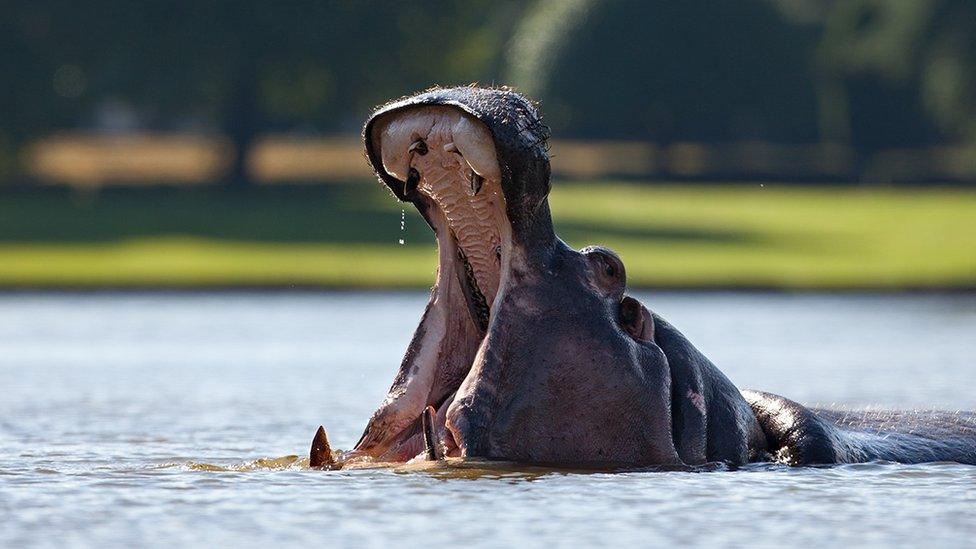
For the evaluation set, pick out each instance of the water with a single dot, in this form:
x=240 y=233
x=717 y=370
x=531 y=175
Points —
x=142 y=419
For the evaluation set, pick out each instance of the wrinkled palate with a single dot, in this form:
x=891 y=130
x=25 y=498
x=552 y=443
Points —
x=450 y=157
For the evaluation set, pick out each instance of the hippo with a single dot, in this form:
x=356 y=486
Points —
x=532 y=352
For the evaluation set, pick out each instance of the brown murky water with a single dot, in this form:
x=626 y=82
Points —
x=183 y=419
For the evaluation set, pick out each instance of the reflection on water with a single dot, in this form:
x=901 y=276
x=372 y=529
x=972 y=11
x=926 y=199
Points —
x=174 y=419
x=260 y=464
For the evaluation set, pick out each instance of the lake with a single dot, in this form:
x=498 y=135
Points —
x=167 y=419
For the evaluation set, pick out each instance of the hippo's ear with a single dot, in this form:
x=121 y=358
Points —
x=635 y=319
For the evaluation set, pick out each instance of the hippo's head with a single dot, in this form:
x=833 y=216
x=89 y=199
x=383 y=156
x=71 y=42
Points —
x=528 y=350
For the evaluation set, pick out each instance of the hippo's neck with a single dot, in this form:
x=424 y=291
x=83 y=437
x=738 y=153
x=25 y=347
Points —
x=532 y=230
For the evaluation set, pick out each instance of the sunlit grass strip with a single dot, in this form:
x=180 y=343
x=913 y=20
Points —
x=181 y=262
x=682 y=237
x=785 y=237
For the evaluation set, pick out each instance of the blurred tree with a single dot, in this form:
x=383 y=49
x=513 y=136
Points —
x=899 y=73
x=241 y=67
x=44 y=87
x=872 y=73
x=668 y=71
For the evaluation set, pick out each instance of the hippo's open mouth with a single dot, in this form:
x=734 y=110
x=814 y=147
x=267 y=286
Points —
x=447 y=164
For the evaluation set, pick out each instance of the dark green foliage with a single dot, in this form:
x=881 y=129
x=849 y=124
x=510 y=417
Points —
x=906 y=72
x=875 y=74
x=696 y=70
x=239 y=67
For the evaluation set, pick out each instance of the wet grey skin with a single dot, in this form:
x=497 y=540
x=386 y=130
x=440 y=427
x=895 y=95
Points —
x=531 y=352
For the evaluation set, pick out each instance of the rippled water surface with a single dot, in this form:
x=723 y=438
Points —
x=168 y=419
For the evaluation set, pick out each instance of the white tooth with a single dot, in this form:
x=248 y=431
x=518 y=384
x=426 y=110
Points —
x=474 y=142
x=395 y=138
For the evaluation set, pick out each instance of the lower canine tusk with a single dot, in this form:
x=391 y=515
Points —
x=321 y=454
x=430 y=445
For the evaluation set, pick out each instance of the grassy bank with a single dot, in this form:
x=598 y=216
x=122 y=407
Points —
x=347 y=236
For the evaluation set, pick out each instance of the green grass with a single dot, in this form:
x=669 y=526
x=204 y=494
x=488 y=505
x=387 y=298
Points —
x=347 y=236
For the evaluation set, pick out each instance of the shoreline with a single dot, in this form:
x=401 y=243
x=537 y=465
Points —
x=337 y=289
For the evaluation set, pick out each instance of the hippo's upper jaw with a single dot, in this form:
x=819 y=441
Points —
x=449 y=167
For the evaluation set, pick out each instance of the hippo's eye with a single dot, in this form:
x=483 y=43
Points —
x=607 y=270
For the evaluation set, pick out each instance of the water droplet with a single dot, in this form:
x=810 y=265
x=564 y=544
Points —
x=403 y=219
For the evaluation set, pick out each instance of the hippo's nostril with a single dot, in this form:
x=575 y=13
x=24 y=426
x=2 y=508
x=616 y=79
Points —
x=635 y=319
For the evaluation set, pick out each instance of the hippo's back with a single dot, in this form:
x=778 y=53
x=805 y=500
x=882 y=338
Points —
x=931 y=424
x=802 y=436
